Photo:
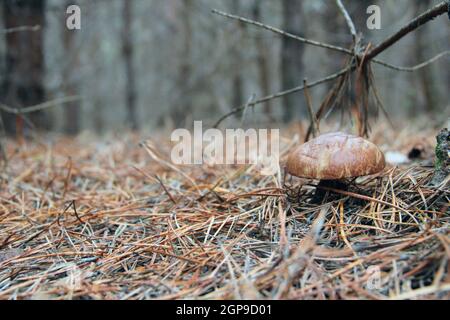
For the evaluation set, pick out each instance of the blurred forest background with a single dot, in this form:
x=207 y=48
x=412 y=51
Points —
x=146 y=64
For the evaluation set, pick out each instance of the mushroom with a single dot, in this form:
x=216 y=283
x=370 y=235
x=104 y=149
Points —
x=334 y=157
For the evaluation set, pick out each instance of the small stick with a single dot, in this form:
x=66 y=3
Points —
x=440 y=9
x=312 y=117
x=160 y=182
x=411 y=26
x=417 y=66
x=348 y=20
x=283 y=93
x=165 y=189
x=292 y=36
x=362 y=197
x=283 y=33
x=21 y=29
x=40 y=106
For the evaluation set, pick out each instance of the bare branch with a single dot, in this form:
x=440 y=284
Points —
x=312 y=116
x=284 y=93
x=21 y=29
x=39 y=107
x=416 y=67
x=283 y=33
x=411 y=26
x=348 y=19
x=368 y=57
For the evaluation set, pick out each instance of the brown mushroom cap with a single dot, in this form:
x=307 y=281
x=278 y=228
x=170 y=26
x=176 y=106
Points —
x=334 y=156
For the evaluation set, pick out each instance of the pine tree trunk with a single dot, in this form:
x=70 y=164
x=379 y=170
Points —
x=71 y=110
x=24 y=72
x=184 y=105
x=263 y=64
x=237 y=84
x=128 y=52
x=425 y=75
x=292 y=59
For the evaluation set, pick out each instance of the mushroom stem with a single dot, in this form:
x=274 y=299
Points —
x=320 y=193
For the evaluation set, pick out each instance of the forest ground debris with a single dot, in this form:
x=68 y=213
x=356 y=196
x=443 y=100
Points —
x=124 y=237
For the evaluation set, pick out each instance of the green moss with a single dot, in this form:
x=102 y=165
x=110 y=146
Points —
x=439 y=157
x=442 y=160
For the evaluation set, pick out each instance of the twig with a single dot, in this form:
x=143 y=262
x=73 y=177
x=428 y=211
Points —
x=74 y=207
x=21 y=29
x=416 y=67
x=283 y=93
x=283 y=33
x=247 y=105
x=363 y=197
x=150 y=150
x=331 y=99
x=317 y=43
x=39 y=107
x=378 y=99
x=411 y=26
x=312 y=116
x=348 y=20
x=165 y=189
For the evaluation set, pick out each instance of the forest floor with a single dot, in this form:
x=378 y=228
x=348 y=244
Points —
x=99 y=218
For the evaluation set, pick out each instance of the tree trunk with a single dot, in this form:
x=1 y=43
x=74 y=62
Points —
x=24 y=72
x=185 y=71
x=128 y=52
x=292 y=59
x=72 y=109
x=237 y=85
x=263 y=64
x=425 y=75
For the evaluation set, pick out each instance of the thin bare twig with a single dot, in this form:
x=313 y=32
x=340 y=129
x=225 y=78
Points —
x=39 y=107
x=411 y=26
x=165 y=189
x=283 y=33
x=368 y=57
x=314 y=123
x=417 y=66
x=348 y=20
x=283 y=93
x=290 y=35
x=21 y=29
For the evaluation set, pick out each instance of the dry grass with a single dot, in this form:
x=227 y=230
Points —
x=92 y=219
